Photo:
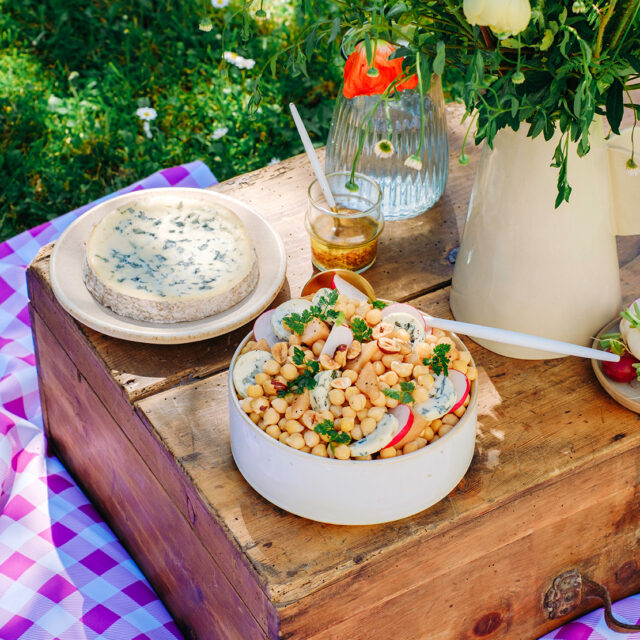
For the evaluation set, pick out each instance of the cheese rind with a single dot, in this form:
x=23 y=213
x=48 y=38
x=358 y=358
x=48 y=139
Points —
x=173 y=260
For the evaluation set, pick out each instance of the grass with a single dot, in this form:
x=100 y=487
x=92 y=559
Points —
x=73 y=73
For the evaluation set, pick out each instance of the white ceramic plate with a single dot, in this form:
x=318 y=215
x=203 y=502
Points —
x=73 y=295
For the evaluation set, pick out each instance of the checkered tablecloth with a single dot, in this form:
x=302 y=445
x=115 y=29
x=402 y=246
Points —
x=63 y=574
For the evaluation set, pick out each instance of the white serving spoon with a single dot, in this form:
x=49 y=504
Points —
x=313 y=157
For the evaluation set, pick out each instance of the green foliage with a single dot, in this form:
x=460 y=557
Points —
x=361 y=330
x=306 y=380
x=571 y=63
x=324 y=311
x=73 y=73
x=403 y=395
x=327 y=428
x=439 y=361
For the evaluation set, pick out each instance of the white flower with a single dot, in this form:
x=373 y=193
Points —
x=219 y=4
x=632 y=167
x=238 y=61
x=73 y=76
x=384 y=149
x=146 y=113
x=219 y=133
x=273 y=161
x=226 y=91
x=229 y=56
x=505 y=17
x=413 y=162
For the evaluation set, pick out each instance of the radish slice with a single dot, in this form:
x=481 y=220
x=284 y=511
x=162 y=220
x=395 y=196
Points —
x=378 y=439
x=295 y=305
x=442 y=397
x=348 y=289
x=401 y=307
x=340 y=335
x=404 y=415
x=262 y=328
x=462 y=386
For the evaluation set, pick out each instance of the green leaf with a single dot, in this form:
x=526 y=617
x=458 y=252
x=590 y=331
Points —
x=335 y=29
x=439 y=60
x=397 y=9
x=615 y=105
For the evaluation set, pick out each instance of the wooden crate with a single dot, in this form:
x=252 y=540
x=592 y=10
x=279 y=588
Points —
x=553 y=484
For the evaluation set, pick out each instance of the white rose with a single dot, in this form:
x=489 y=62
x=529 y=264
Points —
x=504 y=17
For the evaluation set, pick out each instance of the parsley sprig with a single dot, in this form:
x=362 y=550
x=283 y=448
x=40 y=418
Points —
x=379 y=304
x=324 y=310
x=327 y=428
x=361 y=330
x=439 y=362
x=306 y=380
x=404 y=395
x=632 y=316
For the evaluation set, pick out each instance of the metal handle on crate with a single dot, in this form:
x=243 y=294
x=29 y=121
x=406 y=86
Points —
x=570 y=589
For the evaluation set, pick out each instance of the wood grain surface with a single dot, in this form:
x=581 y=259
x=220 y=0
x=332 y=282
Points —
x=553 y=483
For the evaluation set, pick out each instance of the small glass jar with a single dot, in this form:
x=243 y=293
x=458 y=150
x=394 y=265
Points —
x=346 y=238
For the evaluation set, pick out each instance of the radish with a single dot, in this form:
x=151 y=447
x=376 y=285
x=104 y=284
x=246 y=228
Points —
x=348 y=289
x=405 y=418
x=340 y=335
x=462 y=386
x=378 y=439
x=622 y=371
x=442 y=397
x=262 y=328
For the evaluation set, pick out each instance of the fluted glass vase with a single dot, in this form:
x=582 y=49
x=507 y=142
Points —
x=407 y=192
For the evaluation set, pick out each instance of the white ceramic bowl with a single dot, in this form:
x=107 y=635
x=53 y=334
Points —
x=354 y=492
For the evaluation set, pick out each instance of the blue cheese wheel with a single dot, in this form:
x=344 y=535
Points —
x=170 y=260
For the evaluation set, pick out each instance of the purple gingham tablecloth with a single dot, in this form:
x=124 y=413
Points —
x=63 y=574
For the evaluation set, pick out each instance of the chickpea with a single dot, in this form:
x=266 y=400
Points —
x=271 y=367
x=254 y=417
x=410 y=447
x=270 y=417
x=280 y=405
x=280 y=351
x=458 y=365
x=352 y=375
x=377 y=413
x=342 y=452
x=460 y=411
x=388 y=358
x=466 y=402
x=350 y=392
x=357 y=401
x=273 y=430
x=336 y=411
x=254 y=390
x=421 y=442
x=305 y=449
x=311 y=438
x=336 y=396
x=420 y=394
x=293 y=426
x=363 y=458
x=432 y=339
x=428 y=434
x=453 y=354
x=464 y=356
x=373 y=317
x=472 y=373
x=261 y=378
x=426 y=381
x=348 y=412
x=436 y=424
x=378 y=367
x=309 y=418
x=319 y=450
x=289 y=371
x=287 y=412
x=377 y=356
x=420 y=370
x=389 y=378
x=317 y=347
x=350 y=310
x=269 y=389
x=413 y=358
x=402 y=335
x=326 y=415
x=283 y=437
x=295 y=441
x=423 y=350
x=444 y=429
x=392 y=403
x=345 y=424
x=245 y=405
x=388 y=452
x=295 y=340
x=367 y=426
x=450 y=419
x=379 y=401
x=356 y=433
x=363 y=414
x=259 y=405
x=281 y=423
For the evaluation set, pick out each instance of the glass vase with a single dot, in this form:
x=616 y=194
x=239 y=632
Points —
x=406 y=192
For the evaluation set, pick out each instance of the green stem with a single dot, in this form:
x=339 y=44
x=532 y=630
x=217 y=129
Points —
x=631 y=12
x=421 y=89
x=601 y=27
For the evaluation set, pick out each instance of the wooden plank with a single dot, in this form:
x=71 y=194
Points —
x=539 y=421
x=162 y=463
x=120 y=484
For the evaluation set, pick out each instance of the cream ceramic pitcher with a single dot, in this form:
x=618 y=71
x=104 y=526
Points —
x=524 y=265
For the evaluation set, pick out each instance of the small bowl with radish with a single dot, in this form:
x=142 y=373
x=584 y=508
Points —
x=351 y=411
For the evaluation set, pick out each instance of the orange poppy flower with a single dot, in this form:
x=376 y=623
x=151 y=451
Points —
x=358 y=83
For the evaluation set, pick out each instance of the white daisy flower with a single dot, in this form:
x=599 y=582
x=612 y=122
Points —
x=273 y=161
x=146 y=113
x=384 y=149
x=226 y=91
x=413 y=162
x=632 y=167
x=248 y=63
x=219 y=4
x=229 y=56
x=220 y=132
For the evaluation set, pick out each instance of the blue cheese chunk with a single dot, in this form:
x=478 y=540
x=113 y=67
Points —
x=442 y=396
x=170 y=259
x=247 y=367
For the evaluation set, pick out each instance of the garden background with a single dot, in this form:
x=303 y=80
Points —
x=73 y=74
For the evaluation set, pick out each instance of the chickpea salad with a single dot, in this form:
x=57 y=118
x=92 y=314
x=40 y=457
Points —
x=345 y=377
